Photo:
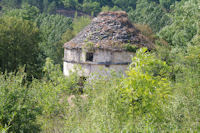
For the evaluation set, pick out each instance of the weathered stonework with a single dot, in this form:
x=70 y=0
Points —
x=100 y=47
x=88 y=69
x=103 y=61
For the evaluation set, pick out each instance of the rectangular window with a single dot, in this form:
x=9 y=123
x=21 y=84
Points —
x=107 y=65
x=89 y=56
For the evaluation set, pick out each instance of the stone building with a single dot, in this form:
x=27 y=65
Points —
x=107 y=43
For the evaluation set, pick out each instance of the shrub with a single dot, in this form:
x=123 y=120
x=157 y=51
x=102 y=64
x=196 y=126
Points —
x=18 y=104
x=52 y=94
x=185 y=24
x=146 y=86
x=19 y=45
x=131 y=47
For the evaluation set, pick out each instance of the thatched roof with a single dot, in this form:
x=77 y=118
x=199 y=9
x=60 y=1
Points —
x=109 y=30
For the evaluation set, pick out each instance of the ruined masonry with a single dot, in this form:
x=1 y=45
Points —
x=107 y=43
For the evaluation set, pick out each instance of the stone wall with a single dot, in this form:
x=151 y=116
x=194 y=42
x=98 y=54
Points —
x=72 y=55
x=103 y=61
x=122 y=56
x=88 y=69
x=102 y=56
x=79 y=55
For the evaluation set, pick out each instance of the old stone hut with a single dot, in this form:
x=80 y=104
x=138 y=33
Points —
x=107 y=43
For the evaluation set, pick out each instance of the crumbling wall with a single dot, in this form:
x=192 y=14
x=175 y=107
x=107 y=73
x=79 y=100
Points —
x=88 y=69
x=103 y=62
x=102 y=56
x=78 y=55
x=72 y=55
x=122 y=56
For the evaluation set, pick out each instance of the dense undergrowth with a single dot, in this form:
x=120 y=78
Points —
x=160 y=92
x=148 y=99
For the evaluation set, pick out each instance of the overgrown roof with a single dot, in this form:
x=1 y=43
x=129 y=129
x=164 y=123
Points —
x=109 y=30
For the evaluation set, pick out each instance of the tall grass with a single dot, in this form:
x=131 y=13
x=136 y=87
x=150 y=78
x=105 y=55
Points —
x=106 y=104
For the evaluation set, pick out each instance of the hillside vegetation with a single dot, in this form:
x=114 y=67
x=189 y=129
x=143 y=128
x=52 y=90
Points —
x=161 y=89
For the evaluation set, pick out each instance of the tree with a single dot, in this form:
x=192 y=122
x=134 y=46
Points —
x=27 y=12
x=78 y=24
x=52 y=7
x=19 y=41
x=52 y=28
x=70 y=3
x=91 y=7
x=19 y=105
x=104 y=2
x=185 y=24
x=124 y=4
x=49 y=7
x=146 y=87
x=149 y=13
x=167 y=3
x=37 y=3
x=45 y=5
x=10 y=3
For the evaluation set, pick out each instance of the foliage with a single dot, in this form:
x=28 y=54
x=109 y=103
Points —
x=146 y=86
x=186 y=95
x=149 y=13
x=91 y=7
x=88 y=6
x=185 y=24
x=49 y=7
x=167 y=3
x=10 y=3
x=89 y=46
x=36 y=3
x=78 y=24
x=27 y=12
x=19 y=45
x=125 y=4
x=53 y=92
x=131 y=47
x=159 y=93
x=18 y=106
x=146 y=31
x=107 y=8
x=70 y=3
x=52 y=28
x=25 y=106
x=52 y=87
x=107 y=107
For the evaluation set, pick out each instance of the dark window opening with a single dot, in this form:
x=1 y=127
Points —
x=89 y=56
x=107 y=65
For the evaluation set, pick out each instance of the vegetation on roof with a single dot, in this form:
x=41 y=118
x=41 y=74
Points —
x=110 y=30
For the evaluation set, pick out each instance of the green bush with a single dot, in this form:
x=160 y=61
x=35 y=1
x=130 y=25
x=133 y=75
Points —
x=131 y=47
x=19 y=45
x=18 y=104
x=52 y=94
x=91 y=7
x=146 y=87
x=149 y=13
x=52 y=28
x=185 y=24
